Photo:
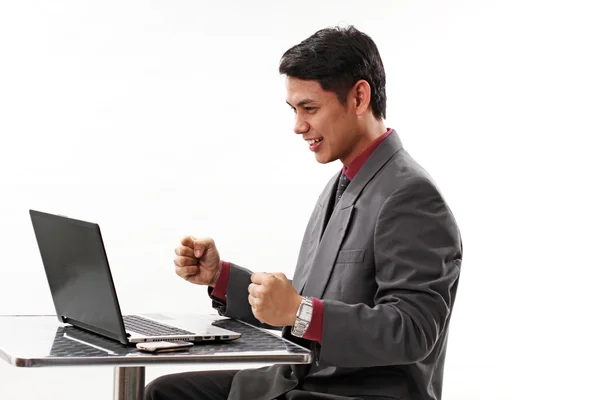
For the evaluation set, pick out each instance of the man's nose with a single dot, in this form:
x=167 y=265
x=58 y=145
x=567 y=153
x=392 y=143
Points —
x=300 y=126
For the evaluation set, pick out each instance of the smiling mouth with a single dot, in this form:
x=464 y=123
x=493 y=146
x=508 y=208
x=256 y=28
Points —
x=313 y=141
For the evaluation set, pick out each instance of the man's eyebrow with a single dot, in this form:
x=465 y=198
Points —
x=302 y=103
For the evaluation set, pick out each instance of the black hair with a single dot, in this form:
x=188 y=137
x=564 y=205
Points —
x=338 y=58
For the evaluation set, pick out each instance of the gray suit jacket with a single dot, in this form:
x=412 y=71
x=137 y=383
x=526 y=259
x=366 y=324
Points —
x=386 y=264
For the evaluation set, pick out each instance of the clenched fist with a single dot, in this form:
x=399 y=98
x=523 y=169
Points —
x=273 y=299
x=198 y=261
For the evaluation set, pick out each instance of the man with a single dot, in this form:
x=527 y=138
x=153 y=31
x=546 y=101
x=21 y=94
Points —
x=378 y=268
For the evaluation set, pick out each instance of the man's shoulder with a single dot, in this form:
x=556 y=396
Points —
x=402 y=169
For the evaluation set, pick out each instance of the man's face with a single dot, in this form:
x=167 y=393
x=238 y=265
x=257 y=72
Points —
x=328 y=127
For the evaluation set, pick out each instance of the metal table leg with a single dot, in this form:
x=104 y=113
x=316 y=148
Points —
x=129 y=383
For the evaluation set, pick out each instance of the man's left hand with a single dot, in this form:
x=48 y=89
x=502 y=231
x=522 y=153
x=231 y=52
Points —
x=273 y=299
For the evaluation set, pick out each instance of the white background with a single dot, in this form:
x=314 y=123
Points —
x=158 y=119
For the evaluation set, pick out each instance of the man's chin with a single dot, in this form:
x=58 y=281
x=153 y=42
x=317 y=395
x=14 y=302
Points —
x=321 y=159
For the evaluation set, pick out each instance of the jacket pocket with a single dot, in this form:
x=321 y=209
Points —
x=349 y=256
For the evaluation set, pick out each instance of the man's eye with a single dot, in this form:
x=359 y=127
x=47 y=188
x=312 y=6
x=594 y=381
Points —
x=310 y=109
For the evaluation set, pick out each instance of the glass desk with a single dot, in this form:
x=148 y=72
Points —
x=43 y=341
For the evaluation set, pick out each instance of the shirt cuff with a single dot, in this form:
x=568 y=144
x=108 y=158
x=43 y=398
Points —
x=314 y=331
x=220 y=290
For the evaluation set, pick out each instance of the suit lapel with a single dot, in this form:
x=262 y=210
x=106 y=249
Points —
x=327 y=251
x=326 y=203
x=334 y=230
x=310 y=246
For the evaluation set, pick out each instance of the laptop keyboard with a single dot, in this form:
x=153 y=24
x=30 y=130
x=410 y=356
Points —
x=149 y=327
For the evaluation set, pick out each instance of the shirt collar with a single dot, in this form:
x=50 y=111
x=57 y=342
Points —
x=352 y=169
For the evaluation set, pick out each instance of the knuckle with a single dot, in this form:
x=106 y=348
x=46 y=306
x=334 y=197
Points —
x=190 y=262
x=252 y=290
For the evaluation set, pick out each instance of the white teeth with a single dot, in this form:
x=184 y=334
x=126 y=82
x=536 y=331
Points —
x=313 y=141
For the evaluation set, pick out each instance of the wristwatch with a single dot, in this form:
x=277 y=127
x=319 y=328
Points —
x=303 y=317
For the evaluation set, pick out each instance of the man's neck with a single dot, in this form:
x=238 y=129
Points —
x=372 y=133
x=375 y=131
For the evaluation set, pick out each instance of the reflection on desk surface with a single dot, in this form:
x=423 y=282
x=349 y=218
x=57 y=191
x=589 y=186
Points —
x=73 y=342
x=43 y=340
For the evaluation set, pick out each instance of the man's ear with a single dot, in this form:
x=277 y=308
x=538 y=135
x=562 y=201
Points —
x=361 y=93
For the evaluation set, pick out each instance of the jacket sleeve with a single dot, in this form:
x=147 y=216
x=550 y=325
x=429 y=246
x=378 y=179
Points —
x=417 y=253
x=237 y=305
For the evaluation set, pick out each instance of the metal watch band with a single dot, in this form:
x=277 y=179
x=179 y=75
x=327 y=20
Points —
x=303 y=317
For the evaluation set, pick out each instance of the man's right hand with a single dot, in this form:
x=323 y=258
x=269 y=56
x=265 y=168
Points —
x=198 y=261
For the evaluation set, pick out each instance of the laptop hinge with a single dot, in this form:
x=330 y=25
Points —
x=90 y=328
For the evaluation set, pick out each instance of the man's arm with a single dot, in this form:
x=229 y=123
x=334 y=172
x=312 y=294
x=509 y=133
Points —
x=233 y=302
x=418 y=253
x=219 y=297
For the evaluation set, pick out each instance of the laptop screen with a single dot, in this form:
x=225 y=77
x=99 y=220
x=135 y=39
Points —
x=78 y=273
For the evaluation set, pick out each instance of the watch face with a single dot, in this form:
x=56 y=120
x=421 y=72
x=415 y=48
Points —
x=305 y=312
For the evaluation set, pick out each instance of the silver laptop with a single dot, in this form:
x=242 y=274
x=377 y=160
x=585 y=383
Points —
x=84 y=293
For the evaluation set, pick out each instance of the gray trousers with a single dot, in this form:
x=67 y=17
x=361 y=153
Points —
x=215 y=385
